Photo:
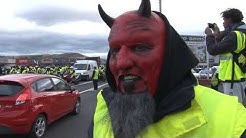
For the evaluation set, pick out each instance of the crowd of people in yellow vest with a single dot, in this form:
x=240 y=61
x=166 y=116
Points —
x=52 y=70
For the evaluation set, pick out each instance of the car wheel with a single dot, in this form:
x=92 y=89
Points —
x=87 y=78
x=39 y=127
x=76 y=109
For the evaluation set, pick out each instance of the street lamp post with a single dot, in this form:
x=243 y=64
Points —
x=160 y=5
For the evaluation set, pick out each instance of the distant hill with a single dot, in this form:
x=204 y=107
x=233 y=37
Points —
x=49 y=58
x=55 y=56
x=71 y=56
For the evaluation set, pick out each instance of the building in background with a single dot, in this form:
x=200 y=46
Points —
x=197 y=44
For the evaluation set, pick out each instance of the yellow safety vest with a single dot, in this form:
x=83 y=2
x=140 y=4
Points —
x=95 y=77
x=204 y=119
x=11 y=71
x=214 y=80
x=24 y=71
x=226 y=62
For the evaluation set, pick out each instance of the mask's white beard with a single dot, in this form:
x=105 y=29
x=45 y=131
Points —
x=130 y=114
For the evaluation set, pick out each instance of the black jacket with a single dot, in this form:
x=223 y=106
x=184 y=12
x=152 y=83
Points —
x=225 y=42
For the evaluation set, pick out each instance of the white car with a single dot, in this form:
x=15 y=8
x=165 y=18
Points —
x=205 y=74
x=85 y=68
x=202 y=74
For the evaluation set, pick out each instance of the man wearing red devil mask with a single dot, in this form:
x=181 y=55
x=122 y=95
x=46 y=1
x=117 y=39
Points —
x=152 y=92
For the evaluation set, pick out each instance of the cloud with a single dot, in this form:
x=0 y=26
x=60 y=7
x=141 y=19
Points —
x=38 y=42
x=50 y=15
x=59 y=26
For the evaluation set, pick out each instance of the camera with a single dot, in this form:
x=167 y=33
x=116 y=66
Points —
x=211 y=25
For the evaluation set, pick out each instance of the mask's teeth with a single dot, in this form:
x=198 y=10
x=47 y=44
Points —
x=130 y=77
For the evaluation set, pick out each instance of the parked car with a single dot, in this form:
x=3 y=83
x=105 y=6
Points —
x=205 y=74
x=85 y=68
x=29 y=102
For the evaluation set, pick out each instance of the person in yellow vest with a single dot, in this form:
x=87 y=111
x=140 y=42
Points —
x=94 y=78
x=38 y=70
x=152 y=92
x=72 y=74
x=215 y=81
x=12 y=70
x=223 y=43
x=101 y=73
x=48 y=71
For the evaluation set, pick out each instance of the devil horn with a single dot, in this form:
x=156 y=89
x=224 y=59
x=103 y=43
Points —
x=145 y=8
x=107 y=19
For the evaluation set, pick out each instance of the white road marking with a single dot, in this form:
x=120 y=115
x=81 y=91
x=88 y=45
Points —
x=92 y=89
x=86 y=82
x=83 y=83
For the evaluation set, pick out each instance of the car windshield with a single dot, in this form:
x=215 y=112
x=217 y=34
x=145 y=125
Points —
x=203 y=71
x=80 y=66
x=9 y=88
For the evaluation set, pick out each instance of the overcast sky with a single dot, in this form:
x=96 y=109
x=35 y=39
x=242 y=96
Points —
x=59 y=26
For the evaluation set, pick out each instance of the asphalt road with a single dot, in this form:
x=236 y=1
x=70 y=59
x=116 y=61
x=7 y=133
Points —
x=71 y=126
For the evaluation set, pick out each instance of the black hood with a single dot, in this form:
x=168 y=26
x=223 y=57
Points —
x=176 y=80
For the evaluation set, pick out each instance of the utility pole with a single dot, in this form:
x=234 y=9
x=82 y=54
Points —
x=160 y=5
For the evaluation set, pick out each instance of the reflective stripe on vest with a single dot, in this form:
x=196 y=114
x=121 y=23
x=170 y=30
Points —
x=242 y=44
x=11 y=71
x=205 y=118
x=226 y=62
x=240 y=41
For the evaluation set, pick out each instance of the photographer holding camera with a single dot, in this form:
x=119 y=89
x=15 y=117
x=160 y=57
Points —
x=225 y=43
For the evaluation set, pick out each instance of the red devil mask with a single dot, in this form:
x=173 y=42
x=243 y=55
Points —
x=137 y=44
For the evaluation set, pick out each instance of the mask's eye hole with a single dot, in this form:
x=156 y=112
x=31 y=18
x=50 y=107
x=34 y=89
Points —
x=142 y=48
x=114 y=51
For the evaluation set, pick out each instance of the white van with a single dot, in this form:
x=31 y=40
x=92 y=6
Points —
x=85 y=68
